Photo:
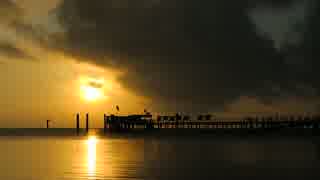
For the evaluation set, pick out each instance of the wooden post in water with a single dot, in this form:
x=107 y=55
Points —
x=104 y=123
x=87 y=122
x=78 y=123
x=48 y=121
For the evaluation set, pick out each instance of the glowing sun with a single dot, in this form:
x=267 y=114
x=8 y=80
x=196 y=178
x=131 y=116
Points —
x=91 y=93
x=92 y=89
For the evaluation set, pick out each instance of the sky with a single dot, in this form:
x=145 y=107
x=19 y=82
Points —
x=60 y=57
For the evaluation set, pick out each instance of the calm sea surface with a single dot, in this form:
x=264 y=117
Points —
x=62 y=158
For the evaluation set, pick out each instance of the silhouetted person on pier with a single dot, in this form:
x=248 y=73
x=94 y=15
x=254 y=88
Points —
x=307 y=122
x=277 y=117
x=285 y=121
x=256 y=122
x=186 y=118
x=246 y=122
x=208 y=117
x=270 y=122
x=250 y=122
x=165 y=120
x=300 y=123
x=292 y=123
x=200 y=118
x=178 y=119
x=263 y=123
x=159 y=118
x=172 y=121
x=315 y=121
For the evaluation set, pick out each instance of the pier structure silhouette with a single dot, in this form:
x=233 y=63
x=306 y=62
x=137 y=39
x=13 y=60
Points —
x=146 y=121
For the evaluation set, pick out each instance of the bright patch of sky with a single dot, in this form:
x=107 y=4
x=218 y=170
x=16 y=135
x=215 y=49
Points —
x=281 y=24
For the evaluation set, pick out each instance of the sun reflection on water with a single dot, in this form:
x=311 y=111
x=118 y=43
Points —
x=92 y=155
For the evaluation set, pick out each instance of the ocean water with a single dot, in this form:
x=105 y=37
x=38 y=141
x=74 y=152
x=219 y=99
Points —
x=95 y=158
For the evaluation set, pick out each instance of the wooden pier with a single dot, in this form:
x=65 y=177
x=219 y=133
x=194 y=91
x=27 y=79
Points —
x=178 y=122
x=115 y=123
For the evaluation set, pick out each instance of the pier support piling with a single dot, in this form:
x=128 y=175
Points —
x=104 y=123
x=48 y=121
x=78 y=123
x=87 y=122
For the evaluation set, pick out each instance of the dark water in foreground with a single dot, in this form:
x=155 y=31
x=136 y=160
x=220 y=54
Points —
x=67 y=158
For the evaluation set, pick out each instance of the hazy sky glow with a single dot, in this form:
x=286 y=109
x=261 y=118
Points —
x=59 y=57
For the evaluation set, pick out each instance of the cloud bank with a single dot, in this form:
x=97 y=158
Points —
x=189 y=54
x=194 y=55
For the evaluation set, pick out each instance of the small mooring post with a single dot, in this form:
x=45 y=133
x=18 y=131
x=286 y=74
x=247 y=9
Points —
x=48 y=121
x=104 y=123
x=87 y=122
x=78 y=123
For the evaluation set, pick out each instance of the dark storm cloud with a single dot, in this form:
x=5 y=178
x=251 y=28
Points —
x=95 y=84
x=303 y=56
x=202 y=53
x=307 y=52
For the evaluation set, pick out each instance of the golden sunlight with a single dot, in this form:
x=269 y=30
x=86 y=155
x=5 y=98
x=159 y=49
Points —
x=91 y=93
x=91 y=157
x=92 y=89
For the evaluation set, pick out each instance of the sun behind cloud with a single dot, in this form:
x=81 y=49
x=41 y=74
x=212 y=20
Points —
x=92 y=89
x=91 y=93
